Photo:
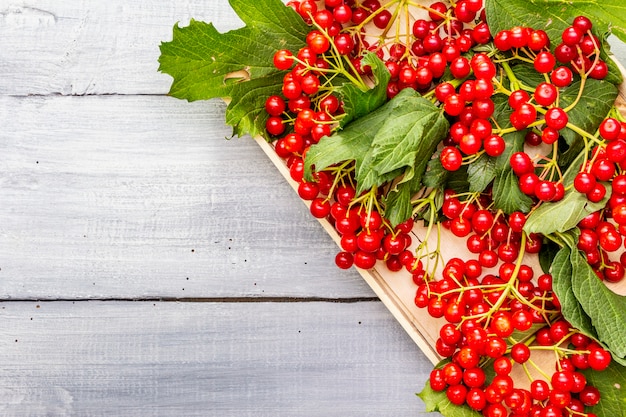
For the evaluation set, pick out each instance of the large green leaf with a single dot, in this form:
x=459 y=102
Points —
x=555 y=15
x=612 y=386
x=594 y=104
x=398 y=137
x=237 y=64
x=606 y=309
x=408 y=138
x=350 y=144
x=357 y=102
x=562 y=271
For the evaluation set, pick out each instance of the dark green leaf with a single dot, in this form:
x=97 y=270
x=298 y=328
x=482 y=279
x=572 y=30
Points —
x=593 y=106
x=548 y=251
x=398 y=207
x=612 y=386
x=507 y=195
x=358 y=103
x=562 y=271
x=481 y=173
x=606 y=309
x=555 y=15
x=436 y=175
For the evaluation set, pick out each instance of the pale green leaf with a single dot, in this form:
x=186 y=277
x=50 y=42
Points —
x=555 y=15
x=563 y=215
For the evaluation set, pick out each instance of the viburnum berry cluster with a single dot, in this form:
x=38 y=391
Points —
x=512 y=101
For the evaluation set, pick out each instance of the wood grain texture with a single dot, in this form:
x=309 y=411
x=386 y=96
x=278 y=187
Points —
x=207 y=359
x=94 y=47
x=134 y=196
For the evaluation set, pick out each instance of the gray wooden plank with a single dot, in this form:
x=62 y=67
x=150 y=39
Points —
x=96 y=47
x=207 y=359
x=141 y=196
x=92 y=46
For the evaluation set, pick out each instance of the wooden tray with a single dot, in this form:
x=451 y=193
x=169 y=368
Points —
x=396 y=289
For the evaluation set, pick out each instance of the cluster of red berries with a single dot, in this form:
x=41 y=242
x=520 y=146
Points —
x=492 y=297
x=600 y=237
x=564 y=393
x=308 y=109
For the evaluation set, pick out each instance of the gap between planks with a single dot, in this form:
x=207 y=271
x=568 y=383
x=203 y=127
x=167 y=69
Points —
x=339 y=300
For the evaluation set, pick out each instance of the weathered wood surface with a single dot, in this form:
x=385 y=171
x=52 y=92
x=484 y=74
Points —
x=112 y=191
x=206 y=359
x=141 y=196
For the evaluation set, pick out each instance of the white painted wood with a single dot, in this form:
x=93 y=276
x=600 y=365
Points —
x=207 y=359
x=92 y=46
x=137 y=196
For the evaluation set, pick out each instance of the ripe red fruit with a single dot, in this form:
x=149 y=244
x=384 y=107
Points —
x=451 y=158
x=556 y=118
x=545 y=94
x=544 y=62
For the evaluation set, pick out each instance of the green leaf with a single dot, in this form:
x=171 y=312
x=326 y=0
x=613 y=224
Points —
x=555 y=15
x=507 y=195
x=563 y=215
x=358 y=103
x=398 y=207
x=436 y=175
x=549 y=249
x=562 y=271
x=437 y=401
x=593 y=106
x=606 y=309
x=612 y=386
x=408 y=138
x=235 y=65
x=481 y=173
x=350 y=144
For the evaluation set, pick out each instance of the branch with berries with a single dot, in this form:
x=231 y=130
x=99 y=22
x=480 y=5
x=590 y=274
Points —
x=491 y=123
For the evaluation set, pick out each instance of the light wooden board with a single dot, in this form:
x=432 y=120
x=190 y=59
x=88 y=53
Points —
x=135 y=196
x=207 y=359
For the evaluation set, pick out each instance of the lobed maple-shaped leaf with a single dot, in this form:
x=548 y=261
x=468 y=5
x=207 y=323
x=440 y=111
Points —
x=236 y=65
